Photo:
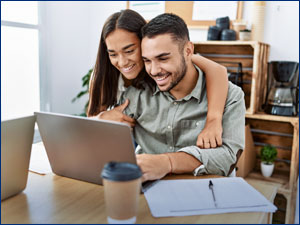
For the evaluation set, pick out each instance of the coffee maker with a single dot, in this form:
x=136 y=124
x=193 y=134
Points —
x=282 y=88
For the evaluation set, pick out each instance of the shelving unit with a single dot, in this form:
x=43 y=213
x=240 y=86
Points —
x=252 y=55
x=279 y=131
x=283 y=132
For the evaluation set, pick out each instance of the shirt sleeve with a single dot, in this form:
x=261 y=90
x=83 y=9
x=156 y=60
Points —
x=219 y=160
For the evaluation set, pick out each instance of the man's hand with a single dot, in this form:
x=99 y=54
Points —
x=153 y=166
x=116 y=114
x=211 y=135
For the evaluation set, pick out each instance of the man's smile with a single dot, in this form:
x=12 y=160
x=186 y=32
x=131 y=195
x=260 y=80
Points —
x=161 y=79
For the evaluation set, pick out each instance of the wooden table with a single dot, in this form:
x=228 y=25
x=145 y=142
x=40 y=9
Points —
x=55 y=199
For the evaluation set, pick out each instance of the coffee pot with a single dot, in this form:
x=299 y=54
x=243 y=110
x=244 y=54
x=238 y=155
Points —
x=282 y=88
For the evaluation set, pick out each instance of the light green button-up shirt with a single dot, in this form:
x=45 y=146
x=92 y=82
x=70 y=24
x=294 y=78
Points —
x=165 y=124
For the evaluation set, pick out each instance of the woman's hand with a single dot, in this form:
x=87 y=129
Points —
x=211 y=135
x=116 y=114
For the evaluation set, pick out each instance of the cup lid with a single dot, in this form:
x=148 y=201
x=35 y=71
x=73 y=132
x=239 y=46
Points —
x=121 y=171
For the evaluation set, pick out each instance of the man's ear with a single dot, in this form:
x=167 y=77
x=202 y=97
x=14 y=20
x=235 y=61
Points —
x=189 y=49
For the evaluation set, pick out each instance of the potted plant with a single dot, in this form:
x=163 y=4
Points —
x=85 y=84
x=268 y=155
x=245 y=35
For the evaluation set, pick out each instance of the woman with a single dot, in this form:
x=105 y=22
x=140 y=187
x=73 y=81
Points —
x=119 y=64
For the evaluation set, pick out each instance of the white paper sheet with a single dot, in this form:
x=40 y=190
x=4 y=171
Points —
x=193 y=197
x=39 y=162
x=210 y=10
x=148 y=9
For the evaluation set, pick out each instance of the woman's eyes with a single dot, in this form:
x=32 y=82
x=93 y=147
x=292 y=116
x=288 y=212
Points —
x=126 y=52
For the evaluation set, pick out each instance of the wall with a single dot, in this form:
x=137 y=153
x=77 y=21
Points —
x=71 y=32
x=66 y=58
x=73 y=29
x=282 y=30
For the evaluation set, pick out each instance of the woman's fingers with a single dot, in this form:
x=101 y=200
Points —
x=213 y=143
x=200 y=142
x=206 y=144
x=219 y=140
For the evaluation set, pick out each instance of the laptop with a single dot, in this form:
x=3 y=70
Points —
x=16 y=142
x=79 y=147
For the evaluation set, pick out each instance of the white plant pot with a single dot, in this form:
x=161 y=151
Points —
x=266 y=169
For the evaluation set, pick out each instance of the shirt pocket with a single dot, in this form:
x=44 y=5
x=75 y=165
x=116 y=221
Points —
x=192 y=124
x=189 y=131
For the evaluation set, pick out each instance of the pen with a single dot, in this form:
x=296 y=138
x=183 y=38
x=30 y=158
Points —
x=211 y=187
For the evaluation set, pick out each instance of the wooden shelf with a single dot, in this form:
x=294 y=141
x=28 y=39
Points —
x=251 y=55
x=238 y=42
x=286 y=175
x=279 y=131
x=268 y=117
x=281 y=179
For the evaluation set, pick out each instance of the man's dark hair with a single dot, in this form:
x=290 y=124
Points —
x=167 y=23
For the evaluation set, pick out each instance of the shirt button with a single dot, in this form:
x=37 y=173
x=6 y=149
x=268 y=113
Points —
x=197 y=124
x=175 y=103
x=169 y=127
x=171 y=147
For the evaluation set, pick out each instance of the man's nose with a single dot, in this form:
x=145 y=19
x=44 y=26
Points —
x=123 y=61
x=155 y=69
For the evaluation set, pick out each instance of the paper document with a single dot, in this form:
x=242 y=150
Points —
x=211 y=10
x=39 y=162
x=194 y=197
x=148 y=9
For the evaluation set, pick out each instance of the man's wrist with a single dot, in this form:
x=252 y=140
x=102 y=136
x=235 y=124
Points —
x=170 y=162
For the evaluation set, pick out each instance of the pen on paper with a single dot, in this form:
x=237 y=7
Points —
x=211 y=187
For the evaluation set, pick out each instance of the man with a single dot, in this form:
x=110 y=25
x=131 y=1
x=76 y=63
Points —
x=170 y=118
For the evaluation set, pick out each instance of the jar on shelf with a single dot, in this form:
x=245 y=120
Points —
x=245 y=35
x=238 y=26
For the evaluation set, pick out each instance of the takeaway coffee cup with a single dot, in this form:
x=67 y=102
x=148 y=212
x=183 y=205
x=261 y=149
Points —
x=122 y=183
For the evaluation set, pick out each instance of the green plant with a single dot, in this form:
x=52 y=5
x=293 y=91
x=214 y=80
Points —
x=85 y=84
x=268 y=154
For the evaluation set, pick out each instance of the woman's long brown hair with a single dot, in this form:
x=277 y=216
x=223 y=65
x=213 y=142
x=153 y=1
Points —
x=104 y=81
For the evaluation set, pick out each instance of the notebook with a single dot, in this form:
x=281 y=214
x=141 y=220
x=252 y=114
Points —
x=16 y=142
x=79 y=147
x=188 y=197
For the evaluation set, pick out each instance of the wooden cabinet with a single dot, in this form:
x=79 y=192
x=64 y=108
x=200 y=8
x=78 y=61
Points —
x=283 y=133
x=253 y=57
x=279 y=131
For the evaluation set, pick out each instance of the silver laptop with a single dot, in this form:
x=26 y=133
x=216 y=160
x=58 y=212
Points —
x=16 y=142
x=79 y=147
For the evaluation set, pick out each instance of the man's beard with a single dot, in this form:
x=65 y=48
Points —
x=180 y=72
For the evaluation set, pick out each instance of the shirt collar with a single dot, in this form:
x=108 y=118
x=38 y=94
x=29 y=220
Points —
x=121 y=84
x=156 y=90
x=196 y=92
